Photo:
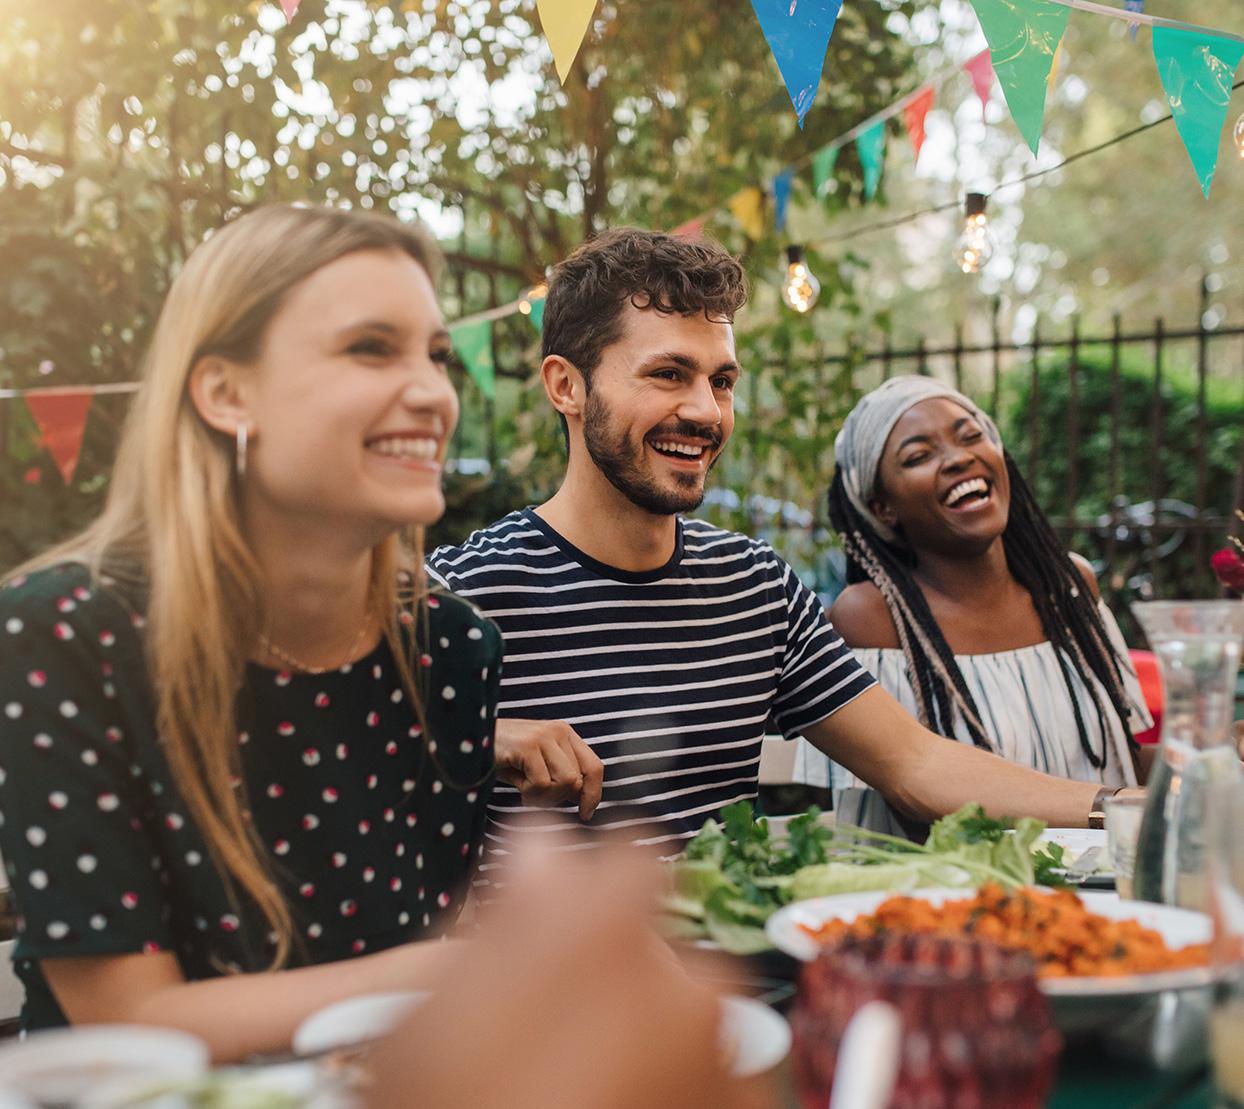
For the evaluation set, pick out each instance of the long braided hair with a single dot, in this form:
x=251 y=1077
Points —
x=1039 y=563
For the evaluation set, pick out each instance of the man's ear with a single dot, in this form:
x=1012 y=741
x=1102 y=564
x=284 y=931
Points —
x=564 y=385
x=219 y=395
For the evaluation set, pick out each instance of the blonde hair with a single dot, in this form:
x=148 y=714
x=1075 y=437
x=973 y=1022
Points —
x=171 y=526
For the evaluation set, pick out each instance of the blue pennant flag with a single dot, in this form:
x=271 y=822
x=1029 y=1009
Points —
x=798 y=33
x=1134 y=6
x=781 y=198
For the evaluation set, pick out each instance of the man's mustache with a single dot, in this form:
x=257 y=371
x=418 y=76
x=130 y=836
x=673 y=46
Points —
x=711 y=436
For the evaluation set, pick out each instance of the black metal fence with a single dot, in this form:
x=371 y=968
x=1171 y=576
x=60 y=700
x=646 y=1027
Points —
x=1147 y=533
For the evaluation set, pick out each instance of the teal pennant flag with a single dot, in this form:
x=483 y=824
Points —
x=1023 y=37
x=823 y=162
x=537 y=314
x=1197 y=71
x=871 y=146
x=798 y=33
x=473 y=342
x=781 y=198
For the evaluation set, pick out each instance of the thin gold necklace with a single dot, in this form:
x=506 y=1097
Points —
x=297 y=664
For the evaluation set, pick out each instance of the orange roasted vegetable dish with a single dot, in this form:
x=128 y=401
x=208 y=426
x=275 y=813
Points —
x=1064 y=938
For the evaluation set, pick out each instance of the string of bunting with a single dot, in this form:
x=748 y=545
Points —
x=1196 y=67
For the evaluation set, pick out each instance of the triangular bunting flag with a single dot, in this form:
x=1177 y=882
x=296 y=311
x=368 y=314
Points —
x=61 y=418
x=565 y=22
x=1197 y=71
x=914 y=114
x=980 y=69
x=536 y=315
x=781 y=198
x=290 y=8
x=1134 y=6
x=748 y=207
x=473 y=342
x=798 y=33
x=1023 y=36
x=823 y=162
x=871 y=146
x=692 y=229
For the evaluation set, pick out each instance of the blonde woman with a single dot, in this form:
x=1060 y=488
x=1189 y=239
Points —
x=245 y=757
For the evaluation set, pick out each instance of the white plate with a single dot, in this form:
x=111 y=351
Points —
x=759 y=1037
x=1179 y=927
x=355 y=1021
x=1075 y=841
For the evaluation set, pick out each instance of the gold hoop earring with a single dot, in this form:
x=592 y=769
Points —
x=241 y=435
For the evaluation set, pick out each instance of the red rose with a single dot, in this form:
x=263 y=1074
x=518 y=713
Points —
x=1229 y=568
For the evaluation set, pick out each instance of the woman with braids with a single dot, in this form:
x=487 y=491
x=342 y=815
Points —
x=964 y=605
x=244 y=755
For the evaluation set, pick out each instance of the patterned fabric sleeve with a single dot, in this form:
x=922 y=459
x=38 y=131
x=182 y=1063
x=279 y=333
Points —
x=819 y=674
x=80 y=865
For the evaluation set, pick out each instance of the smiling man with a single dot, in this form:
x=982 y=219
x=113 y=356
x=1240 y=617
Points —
x=645 y=650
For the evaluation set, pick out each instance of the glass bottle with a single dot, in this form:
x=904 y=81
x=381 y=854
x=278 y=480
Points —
x=1197 y=644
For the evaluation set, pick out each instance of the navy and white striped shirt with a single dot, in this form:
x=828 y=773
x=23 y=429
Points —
x=670 y=675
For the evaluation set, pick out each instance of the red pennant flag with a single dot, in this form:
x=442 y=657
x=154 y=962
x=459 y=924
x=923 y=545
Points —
x=913 y=115
x=62 y=420
x=290 y=8
x=980 y=69
x=692 y=229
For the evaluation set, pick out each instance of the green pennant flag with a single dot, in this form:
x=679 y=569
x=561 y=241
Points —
x=1197 y=72
x=871 y=146
x=536 y=315
x=823 y=162
x=473 y=342
x=1023 y=36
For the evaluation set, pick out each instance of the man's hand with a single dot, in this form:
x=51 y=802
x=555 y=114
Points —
x=549 y=764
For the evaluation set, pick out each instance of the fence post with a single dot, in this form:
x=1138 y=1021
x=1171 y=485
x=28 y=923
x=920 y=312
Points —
x=1073 y=430
x=1116 y=419
x=958 y=355
x=1155 y=428
x=1034 y=406
x=1202 y=426
x=922 y=361
x=885 y=356
x=997 y=358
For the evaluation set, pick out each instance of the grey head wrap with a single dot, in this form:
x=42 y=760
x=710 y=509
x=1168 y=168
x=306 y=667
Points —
x=861 y=442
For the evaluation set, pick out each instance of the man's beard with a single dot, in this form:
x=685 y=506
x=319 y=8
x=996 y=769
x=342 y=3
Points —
x=622 y=464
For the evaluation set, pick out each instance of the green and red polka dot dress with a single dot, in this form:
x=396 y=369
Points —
x=372 y=827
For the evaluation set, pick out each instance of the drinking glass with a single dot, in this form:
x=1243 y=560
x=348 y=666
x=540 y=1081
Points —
x=976 y=1029
x=1226 y=904
x=1197 y=644
x=1123 y=817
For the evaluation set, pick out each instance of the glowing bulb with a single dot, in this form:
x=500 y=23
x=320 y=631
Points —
x=801 y=288
x=536 y=292
x=1238 y=136
x=975 y=245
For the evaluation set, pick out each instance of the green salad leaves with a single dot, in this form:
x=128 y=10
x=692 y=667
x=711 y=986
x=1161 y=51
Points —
x=734 y=875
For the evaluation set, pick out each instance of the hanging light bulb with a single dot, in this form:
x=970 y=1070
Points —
x=1238 y=135
x=975 y=245
x=801 y=288
x=536 y=292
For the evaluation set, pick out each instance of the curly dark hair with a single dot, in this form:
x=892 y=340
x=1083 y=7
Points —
x=650 y=269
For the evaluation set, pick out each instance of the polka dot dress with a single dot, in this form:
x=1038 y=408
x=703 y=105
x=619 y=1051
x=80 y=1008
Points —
x=372 y=828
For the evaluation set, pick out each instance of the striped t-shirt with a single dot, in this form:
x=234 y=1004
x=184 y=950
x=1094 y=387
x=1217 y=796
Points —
x=670 y=675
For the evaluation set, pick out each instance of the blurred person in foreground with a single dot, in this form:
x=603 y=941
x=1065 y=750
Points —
x=644 y=649
x=225 y=803
x=592 y=1013
x=964 y=605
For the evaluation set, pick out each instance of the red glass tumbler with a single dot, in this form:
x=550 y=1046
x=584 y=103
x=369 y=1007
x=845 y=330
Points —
x=977 y=1031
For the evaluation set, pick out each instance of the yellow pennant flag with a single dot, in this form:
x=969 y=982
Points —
x=1058 y=57
x=565 y=22
x=748 y=207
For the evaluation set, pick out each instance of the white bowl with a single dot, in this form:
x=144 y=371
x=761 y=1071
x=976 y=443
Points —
x=68 y=1064
x=355 y=1021
x=756 y=1037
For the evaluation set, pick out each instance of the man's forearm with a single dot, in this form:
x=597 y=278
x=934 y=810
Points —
x=927 y=776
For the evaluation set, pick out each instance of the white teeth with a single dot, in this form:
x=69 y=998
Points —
x=680 y=448
x=966 y=488
x=406 y=448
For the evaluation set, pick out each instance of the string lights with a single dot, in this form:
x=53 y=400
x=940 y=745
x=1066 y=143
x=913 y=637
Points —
x=1238 y=135
x=801 y=288
x=975 y=244
x=536 y=292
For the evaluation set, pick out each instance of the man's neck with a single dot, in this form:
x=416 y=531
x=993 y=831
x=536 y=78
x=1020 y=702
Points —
x=597 y=518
